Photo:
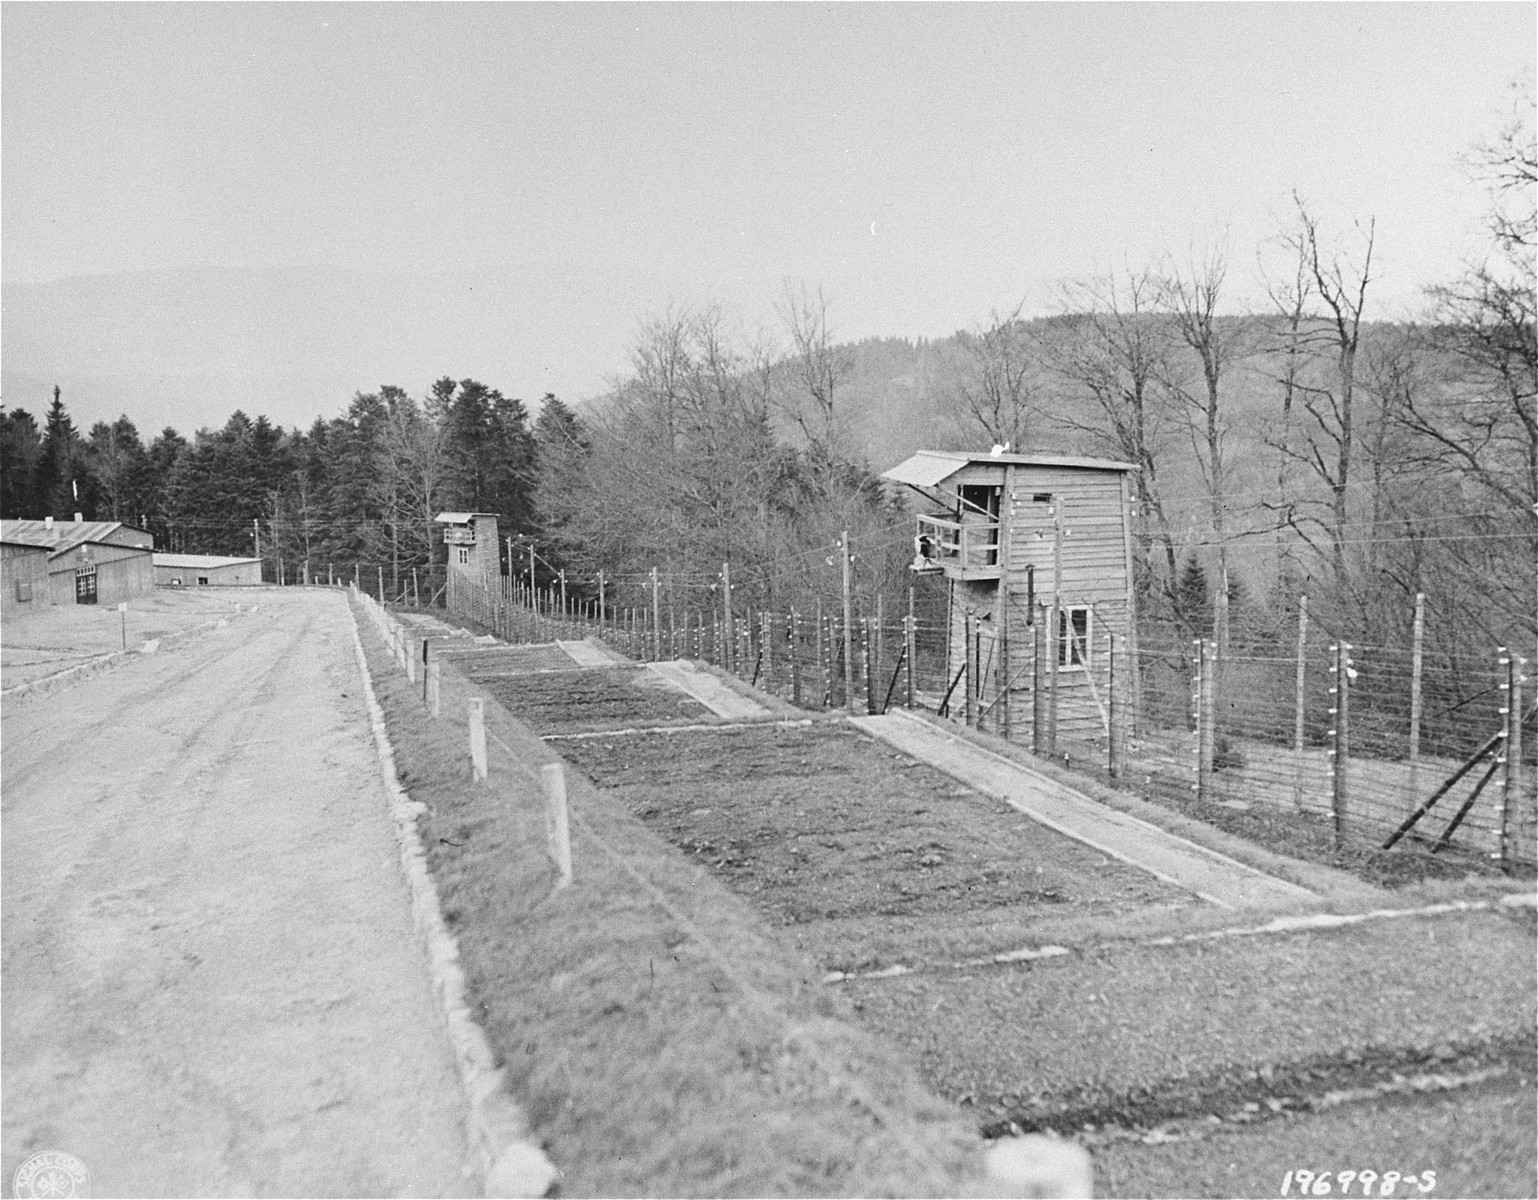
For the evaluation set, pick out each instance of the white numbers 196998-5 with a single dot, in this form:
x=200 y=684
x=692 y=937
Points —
x=1371 y=1183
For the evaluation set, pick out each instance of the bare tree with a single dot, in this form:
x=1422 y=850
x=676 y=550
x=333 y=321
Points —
x=817 y=368
x=1330 y=439
x=1191 y=298
x=1112 y=348
x=995 y=398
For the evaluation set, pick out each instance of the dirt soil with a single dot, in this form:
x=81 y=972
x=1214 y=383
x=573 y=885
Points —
x=820 y=823
x=211 y=982
x=575 y=701
x=61 y=636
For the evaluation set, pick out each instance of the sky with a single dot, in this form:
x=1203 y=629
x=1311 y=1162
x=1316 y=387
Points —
x=923 y=165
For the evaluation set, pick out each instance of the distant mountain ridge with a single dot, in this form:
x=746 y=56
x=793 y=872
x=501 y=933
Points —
x=187 y=346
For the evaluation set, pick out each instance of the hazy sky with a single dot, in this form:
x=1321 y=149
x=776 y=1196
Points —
x=924 y=164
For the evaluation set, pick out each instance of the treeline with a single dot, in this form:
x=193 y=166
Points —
x=360 y=488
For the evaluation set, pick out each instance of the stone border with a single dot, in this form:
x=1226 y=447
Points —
x=503 y=1155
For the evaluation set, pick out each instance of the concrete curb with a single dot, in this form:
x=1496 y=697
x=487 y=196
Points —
x=115 y=658
x=502 y=1154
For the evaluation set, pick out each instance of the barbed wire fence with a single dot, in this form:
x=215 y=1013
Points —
x=1377 y=745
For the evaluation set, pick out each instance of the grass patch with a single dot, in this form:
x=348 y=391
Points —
x=662 y=1041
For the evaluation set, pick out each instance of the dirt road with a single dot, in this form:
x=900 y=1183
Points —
x=211 y=981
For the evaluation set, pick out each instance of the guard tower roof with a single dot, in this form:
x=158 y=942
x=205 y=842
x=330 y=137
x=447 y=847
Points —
x=930 y=468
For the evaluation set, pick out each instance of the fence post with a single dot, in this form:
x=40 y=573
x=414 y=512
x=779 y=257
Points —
x=557 y=829
x=1038 y=705
x=1416 y=659
x=967 y=672
x=843 y=546
x=1113 y=704
x=880 y=639
x=865 y=653
x=1298 y=703
x=1511 y=751
x=766 y=646
x=478 y=738
x=434 y=686
x=1340 y=748
x=1206 y=736
x=793 y=633
x=910 y=634
x=728 y=626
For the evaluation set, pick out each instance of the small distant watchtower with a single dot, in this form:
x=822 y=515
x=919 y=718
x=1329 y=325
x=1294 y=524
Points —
x=471 y=540
x=1026 y=541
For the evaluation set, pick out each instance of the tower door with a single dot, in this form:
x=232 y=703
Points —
x=979 y=504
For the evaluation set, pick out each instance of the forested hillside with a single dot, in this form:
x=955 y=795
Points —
x=1306 y=448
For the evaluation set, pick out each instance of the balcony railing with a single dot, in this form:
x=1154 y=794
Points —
x=961 y=549
x=457 y=536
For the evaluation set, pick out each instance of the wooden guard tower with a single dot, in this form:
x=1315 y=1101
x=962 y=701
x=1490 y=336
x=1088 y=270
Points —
x=1036 y=552
x=471 y=540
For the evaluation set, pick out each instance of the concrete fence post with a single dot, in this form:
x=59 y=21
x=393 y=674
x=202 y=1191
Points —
x=478 y=738
x=557 y=827
x=434 y=686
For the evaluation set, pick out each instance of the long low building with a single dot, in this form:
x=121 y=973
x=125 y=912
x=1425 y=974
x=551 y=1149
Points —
x=205 y=570
x=89 y=562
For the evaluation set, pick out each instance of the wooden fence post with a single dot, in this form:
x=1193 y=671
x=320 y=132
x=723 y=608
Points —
x=1206 y=731
x=1340 y=747
x=1417 y=639
x=1114 y=670
x=1038 y=700
x=1298 y=707
x=794 y=632
x=557 y=829
x=1511 y=752
x=478 y=738
x=968 y=674
x=865 y=653
x=848 y=624
x=766 y=648
x=910 y=634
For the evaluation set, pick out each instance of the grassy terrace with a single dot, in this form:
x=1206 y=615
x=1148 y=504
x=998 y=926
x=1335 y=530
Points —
x=662 y=1041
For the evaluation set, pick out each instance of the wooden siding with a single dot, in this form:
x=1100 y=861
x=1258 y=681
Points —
x=122 y=572
x=1094 y=572
x=25 y=574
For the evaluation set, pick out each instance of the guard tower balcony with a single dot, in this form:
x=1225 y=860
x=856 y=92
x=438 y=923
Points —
x=458 y=536
x=965 y=550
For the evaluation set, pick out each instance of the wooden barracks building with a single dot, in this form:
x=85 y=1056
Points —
x=1031 y=546
x=88 y=562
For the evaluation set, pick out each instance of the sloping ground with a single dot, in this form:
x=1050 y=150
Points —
x=662 y=1042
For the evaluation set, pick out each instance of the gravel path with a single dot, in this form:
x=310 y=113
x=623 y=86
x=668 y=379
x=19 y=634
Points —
x=211 y=981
